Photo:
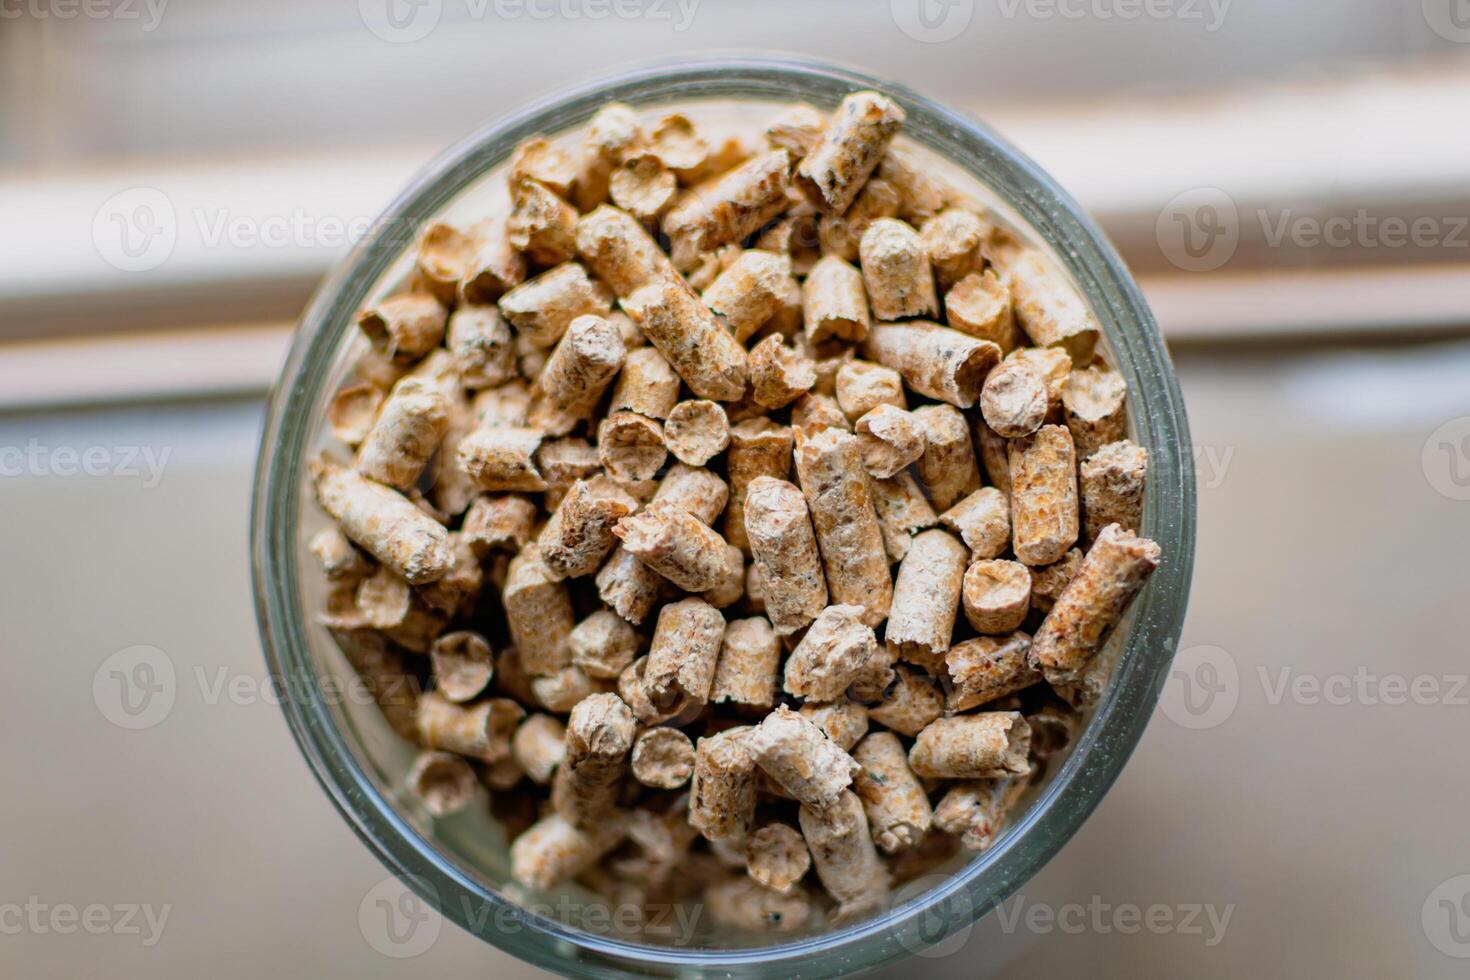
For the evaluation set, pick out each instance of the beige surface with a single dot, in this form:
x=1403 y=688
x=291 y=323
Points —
x=1324 y=548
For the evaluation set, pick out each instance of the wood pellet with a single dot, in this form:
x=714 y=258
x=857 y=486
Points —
x=747 y=511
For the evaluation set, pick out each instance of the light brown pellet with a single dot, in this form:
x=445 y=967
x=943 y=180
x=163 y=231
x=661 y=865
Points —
x=351 y=411
x=503 y=458
x=580 y=533
x=812 y=413
x=646 y=385
x=553 y=850
x=677 y=143
x=779 y=374
x=862 y=386
x=779 y=531
x=444 y=252
x=979 y=746
x=538 y=747
x=980 y=305
x=444 y=783
x=897 y=807
x=1054 y=366
x=542 y=308
x=838 y=650
x=339 y=559
x=889 y=439
x=663 y=758
x=482 y=347
x=697 y=431
x=741 y=903
x=1046 y=306
x=842 y=236
x=903 y=511
x=834 y=302
x=983 y=520
x=943 y=364
x=541 y=225
x=1112 y=482
x=493 y=268
x=758 y=447
x=853 y=142
x=842 y=851
x=462 y=664
x=1114 y=569
x=976 y=810
x=694 y=489
x=731 y=587
x=896 y=271
x=627 y=586
x=538 y=612
x=947 y=470
x=643 y=187
x=599 y=734
x=406 y=326
x=952 y=238
x=633 y=689
x=539 y=159
x=621 y=252
x=988 y=668
x=995 y=455
x=796 y=129
x=1044 y=518
x=1049 y=581
x=922 y=194
x=997 y=595
x=631 y=446
x=776 y=856
x=749 y=291
x=499 y=523
x=408 y=429
x=911 y=705
x=829 y=467
x=750 y=657
x=613 y=135
x=603 y=644
x=844 y=721
x=728 y=208
x=926 y=598
x=383 y=522
x=803 y=761
x=481 y=731
x=696 y=345
x=505 y=405
x=1093 y=400
x=584 y=363
x=722 y=791
x=675 y=544
x=1014 y=400
x=683 y=653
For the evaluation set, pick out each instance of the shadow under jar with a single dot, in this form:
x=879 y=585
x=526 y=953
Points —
x=460 y=864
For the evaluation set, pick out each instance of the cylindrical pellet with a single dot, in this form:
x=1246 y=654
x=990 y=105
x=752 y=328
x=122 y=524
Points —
x=407 y=326
x=980 y=305
x=926 y=598
x=952 y=238
x=683 y=653
x=482 y=346
x=943 y=364
x=599 y=734
x=844 y=721
x=647 y=385
x=1112 y=487
x=1014 y=400
x=980 y=746
x=975 y=810
x=1044 y=518
x=503 y=458
x=728 y=208
x=987 y=668
x=498 y=523
x=1093 y=400
x=675 y=544
x=621 y=252
x=776 y=856
x=854 y=141
x=696 y=345
x=843 y=854
x=889 y=439
x=750 y=658
x=903 y=511
x=444 y=783
x=862 y=386
x=539 y=746
x=554 y=850
x=897 y=807
x=837 y=651
x=383 y=522
x=983 y=520
x=481 y=731
x=580 y=533
x=896 y=271
x=722 y=792
x=834 y=302
x=803 y=761
x=997 y=595
x=463 y=665
x=541 y=224
x=779 y=531
x=629 y=587
x=409 y=427
x=830 y=469
x=603 y=644
x=631 y=446
x=584 y=363
x=911 y=704
x=542 y=308
x=1046 y=305
x=779 y=374
x=663 y=758
x=695 y=490
x=538 y=612
x=749 y=292
x=758 y=447
x=947 y=469
x=696 y=431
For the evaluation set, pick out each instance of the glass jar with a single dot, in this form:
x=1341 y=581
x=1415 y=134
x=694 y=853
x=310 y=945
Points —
x=459 y=865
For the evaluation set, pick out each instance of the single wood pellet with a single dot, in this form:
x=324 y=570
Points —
x=671 y=483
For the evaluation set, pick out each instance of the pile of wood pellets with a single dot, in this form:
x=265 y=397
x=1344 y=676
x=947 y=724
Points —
x=666 y=521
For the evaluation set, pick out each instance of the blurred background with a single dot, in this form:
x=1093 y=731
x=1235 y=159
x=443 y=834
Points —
x=1290 y=180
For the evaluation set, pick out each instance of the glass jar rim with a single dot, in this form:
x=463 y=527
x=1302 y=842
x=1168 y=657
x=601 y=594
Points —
x=1100 y=750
